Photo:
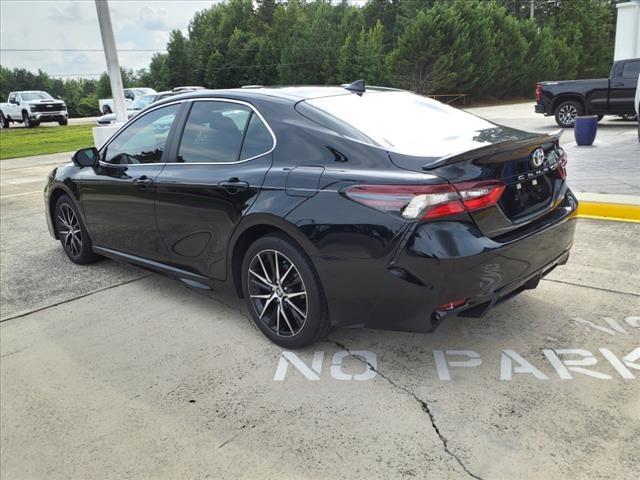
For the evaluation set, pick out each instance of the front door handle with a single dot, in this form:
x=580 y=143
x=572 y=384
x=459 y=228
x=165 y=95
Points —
x=619 y=84
x=233 y=185
x=143 y=182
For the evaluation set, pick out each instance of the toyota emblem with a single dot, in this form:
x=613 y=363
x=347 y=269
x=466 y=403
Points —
x=537 y=157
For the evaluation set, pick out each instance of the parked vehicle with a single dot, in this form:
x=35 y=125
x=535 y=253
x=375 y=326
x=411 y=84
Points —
x=637 y=104
x=105 y=105
x=322 y=206
x=604 y=96
x=143 y=102
x=32 y=107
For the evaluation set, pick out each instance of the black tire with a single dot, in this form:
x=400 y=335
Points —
x=62 y=123
x=27 y=121
x=4 y=121
x=290 y=329
x=77 y=246
x=106 y=110
x=566 y=113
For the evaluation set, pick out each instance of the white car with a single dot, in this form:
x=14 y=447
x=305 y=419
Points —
x=130 y=95
x=32 y=107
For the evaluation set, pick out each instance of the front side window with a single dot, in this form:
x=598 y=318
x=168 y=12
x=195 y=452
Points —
x=144 y=140
x=631 y=70
x=213 y=132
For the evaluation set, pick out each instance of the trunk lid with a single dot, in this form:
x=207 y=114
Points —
x=534 y=186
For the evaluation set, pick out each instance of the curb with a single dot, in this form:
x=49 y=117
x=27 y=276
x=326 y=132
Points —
x=621 y=208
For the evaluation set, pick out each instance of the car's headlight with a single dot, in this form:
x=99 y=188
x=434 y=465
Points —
x=63 y=107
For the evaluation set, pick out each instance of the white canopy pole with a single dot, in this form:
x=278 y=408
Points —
x=111 y=55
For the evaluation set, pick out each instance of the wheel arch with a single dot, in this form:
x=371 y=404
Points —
x=566 y=97
x=56 y=192
x=253 y=228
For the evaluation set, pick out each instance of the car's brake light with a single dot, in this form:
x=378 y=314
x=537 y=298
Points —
x=562 y=163
x=538 y=92
x=428 y=201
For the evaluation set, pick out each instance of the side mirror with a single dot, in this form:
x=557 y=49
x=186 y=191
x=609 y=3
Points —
x=86 y=157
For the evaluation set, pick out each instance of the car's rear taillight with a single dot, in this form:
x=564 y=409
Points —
x=428 y=201
x=538 y=92
x=562 y=163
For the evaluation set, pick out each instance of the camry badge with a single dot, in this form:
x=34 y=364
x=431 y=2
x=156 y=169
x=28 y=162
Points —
x=537 y=157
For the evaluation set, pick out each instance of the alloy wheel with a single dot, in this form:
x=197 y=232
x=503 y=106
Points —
x=277 y=292
x=568 y=114
x=69 y=230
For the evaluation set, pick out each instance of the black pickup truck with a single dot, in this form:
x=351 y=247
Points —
x=568 y=99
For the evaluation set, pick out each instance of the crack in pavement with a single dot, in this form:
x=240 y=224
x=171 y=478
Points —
x=78 y=297
x=564 y=282
x=423 y=405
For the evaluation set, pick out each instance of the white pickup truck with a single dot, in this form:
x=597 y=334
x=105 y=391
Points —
x=105 y=105
x=31 y=108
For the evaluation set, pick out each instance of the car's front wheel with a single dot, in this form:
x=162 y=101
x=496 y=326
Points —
x=566 y=113
x=27 y=121
x=63 y=122
x=283 y=292
x=72 y=233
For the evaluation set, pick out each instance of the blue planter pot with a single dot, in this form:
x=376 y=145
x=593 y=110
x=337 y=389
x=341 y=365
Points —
x=585 y=129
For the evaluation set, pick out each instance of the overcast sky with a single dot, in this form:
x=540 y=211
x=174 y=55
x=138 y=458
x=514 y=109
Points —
x=73 y=24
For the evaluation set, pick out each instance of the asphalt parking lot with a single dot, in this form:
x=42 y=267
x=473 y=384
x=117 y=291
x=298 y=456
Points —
x=108 y=371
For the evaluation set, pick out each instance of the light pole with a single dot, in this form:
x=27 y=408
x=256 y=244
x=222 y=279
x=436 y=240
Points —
x=111 y=55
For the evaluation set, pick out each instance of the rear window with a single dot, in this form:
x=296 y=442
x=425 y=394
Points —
x=400 y=121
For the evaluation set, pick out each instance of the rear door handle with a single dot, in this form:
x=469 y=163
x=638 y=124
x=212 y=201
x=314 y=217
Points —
x=143 y=182
x=233 y=185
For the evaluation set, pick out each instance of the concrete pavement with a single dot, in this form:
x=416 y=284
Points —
x=107 y=371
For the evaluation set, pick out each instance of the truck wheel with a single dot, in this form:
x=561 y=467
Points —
x=27 y=121
x=4 y=121
x=566 y=113
x=63 y=122
x=106 y=110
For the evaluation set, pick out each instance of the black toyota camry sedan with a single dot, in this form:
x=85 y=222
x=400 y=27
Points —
x=322 y=206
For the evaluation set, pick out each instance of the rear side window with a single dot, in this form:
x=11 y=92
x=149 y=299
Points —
x=257 y=140
x=631 y=70
x=222 y=132
x=144 y=140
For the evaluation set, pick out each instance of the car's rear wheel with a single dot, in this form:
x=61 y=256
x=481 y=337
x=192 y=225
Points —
x=4 y=121
x=106 y=110
x=72 y=232
x=567 y=112
x=283 y=292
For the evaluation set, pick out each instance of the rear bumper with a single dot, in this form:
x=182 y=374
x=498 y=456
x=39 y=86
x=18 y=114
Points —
x=540 y=108
x=440 y=262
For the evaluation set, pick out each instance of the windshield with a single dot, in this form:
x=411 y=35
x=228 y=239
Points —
x=404 y=122
x=143 y=91
x=142 y=102
x=29 y=96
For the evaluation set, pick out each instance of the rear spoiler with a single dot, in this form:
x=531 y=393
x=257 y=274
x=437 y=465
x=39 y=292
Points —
x=498 y=152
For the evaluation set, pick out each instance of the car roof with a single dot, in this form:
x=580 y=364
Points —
x=291 y=93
